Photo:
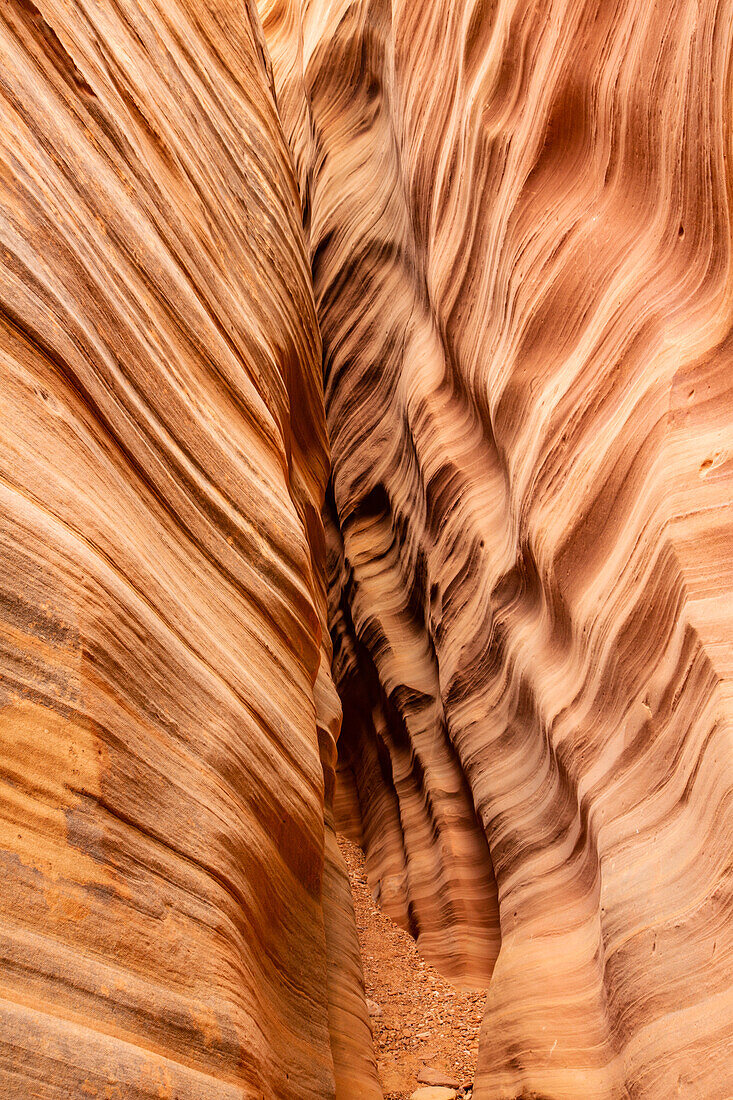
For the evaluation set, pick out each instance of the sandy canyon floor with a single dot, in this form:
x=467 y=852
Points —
x=423 y=1020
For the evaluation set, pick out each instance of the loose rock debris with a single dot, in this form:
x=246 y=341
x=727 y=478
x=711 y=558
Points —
x=425 y=1030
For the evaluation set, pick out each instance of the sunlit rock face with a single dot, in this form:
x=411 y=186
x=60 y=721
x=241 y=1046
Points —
x=174 y=920
x=519 y=218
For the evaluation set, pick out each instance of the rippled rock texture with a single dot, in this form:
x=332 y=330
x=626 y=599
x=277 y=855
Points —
x=169 y=924
x=518 y=222
x=519 y=218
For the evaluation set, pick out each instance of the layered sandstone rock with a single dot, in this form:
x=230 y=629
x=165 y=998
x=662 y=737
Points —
x=173 y=921
x=520 y=230
x=518 y=219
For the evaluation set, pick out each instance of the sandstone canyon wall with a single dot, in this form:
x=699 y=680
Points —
x=174 y=922
x=519 y=219
x=504 y=229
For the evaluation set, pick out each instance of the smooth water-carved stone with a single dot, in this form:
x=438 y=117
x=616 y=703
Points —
x=520 y=229
x=172 y=920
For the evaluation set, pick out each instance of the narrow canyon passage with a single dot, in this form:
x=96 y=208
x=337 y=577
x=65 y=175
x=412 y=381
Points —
x=366 y=466
x=424 y=1028
x=520 y=223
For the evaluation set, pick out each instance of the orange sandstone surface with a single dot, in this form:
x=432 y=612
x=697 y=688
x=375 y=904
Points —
x=371 y=359
x=172 y=920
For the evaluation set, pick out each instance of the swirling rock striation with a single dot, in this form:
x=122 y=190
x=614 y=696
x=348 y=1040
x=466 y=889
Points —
x=519 y=218
x=518 y=221
x=174 y=915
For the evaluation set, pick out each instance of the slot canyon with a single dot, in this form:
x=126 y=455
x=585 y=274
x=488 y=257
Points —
x=366 y=468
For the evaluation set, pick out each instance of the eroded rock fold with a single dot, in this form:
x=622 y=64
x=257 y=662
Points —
x=485 y=249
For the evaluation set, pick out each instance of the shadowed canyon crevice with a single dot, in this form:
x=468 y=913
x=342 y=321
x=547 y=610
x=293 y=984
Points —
x=484 y=248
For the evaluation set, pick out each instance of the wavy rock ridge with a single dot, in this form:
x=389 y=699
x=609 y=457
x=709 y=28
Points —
x=520 y=229
x=505 y=229
x=173 y=921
